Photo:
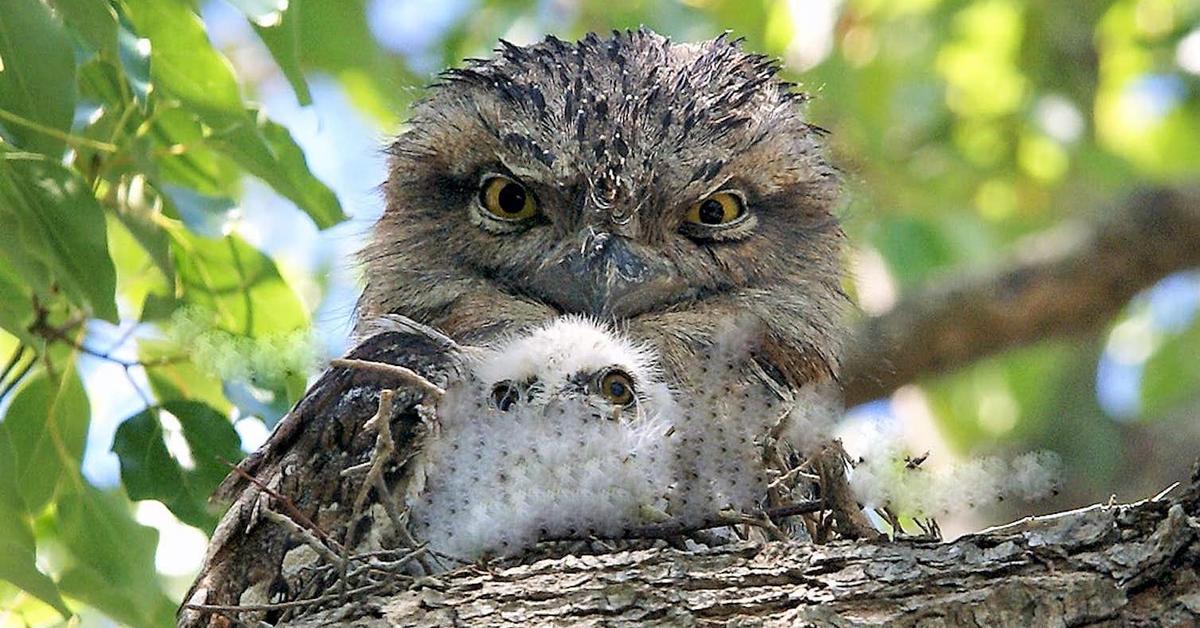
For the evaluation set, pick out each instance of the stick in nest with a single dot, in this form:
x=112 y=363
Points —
x=831 y=464
x=305 y=535
x=292 y=511
x=401 y=373
x=384 y=452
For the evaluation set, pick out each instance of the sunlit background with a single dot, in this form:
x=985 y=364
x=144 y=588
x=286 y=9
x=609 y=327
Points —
x=963 y=130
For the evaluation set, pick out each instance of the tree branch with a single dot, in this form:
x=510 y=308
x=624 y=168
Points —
x=1074 y=283
x=1112 y=565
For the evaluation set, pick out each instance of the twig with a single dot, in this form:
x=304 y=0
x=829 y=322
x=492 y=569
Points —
x=73 y=140
x=59 y=334
x=384 y=446
x=258 y=608
x=54 y=334
x=798 y=470
x=835 y=490
x=305 y=535
x=385 y=449
x=401 y=373
x=764 y=523
x=287 y=504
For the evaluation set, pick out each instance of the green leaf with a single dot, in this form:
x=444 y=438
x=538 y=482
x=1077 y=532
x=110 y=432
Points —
x=183 y=62
x=114 y=556
x=59 y=231
x=94 y=20
x=186 y=67
x=46 y=426
x=204 y=215
x=183 y=381
x=153 y=240
x=16 y=304
x=37 y=76
x=18 y=565
x=283 y=41
x=149 y=471
x=279 y=28
x=268 y=151
x=18 y=558
x=134 y=53
x=238 y=284
x=199 y=167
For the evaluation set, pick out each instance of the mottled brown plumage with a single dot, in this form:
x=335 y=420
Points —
x=617 y=140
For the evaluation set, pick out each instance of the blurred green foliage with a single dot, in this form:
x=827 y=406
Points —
x=125 y=136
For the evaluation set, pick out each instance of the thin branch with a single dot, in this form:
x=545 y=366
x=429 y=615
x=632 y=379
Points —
x=384 y=447
x=305 y=535
x=254 y=608
x=405 y=375
x=73 y=140
x=287 y=504
x=58 y=335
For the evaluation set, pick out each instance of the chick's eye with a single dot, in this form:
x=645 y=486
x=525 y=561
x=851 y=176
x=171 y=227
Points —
x=506 y=199
x=504 y=395
x=617 y=387
x=719 y=208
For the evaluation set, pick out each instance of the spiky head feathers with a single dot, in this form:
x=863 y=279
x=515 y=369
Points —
x=616 y=178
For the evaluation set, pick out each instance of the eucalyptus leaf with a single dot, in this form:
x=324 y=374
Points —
x=186 y=67
x=16 y=304
x=37 y=77
x=114 y=557
x=134 y=53
x=94 y=20
x=56 y=229
x=283 y=41
x=183 y=62
x=46 y=426
x=207 y=216
x=18 y=558
x=237 y=284
x=267 y=150
x=279 y=28
x=150 y=471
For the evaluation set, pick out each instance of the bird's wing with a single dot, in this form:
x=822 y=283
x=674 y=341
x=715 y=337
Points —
x=299 y=472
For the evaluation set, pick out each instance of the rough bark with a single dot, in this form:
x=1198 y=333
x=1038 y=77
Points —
x=1122 y=565
x=1089 y=276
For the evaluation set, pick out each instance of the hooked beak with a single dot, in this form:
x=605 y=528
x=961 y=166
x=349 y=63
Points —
x=607 y=276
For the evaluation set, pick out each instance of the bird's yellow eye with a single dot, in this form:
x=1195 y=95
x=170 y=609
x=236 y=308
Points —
x=617 y=386
x=719 y=208
x=506 y=199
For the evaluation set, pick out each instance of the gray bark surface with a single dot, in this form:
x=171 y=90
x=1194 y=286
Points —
x=1124 y=565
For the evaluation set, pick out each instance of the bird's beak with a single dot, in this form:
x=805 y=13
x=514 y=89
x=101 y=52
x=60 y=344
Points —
x=607 y=276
